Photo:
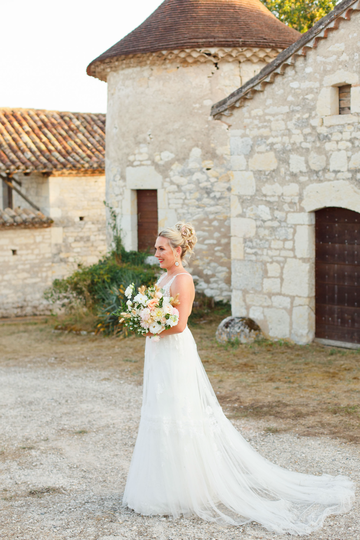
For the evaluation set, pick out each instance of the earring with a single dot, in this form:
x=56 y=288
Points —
x=176 y=263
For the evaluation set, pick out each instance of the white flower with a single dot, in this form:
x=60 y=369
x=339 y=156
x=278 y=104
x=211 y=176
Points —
x=129 y=304
x=129 y=291
x=173 y=320
x=141 y=299
x=155 y=328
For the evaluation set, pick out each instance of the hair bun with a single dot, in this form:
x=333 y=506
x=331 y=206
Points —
x=187 y=232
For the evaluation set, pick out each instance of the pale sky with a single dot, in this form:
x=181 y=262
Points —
x=46 y=47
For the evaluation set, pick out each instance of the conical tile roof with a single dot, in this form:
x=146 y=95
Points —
x=186 y=24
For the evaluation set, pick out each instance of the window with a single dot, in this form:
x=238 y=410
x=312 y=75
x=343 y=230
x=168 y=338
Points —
x=345 y=99
x=147 y=210
x=7 y=196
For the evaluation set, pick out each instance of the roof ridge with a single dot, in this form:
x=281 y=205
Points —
x=303 y=42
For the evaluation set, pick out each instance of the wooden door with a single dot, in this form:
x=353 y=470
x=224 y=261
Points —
x=337 y=275
x=147 y=210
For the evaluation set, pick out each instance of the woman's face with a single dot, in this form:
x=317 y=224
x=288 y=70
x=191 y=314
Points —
x=165 y=254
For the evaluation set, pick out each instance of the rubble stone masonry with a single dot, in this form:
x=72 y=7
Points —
x=292 y=153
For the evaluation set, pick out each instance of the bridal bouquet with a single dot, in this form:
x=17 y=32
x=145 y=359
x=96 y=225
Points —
x=149 y=311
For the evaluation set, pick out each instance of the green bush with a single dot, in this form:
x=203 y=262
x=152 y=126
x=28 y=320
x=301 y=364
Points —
x=99 y=288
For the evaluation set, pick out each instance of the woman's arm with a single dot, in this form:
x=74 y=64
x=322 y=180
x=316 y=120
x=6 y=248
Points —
x=183 y=285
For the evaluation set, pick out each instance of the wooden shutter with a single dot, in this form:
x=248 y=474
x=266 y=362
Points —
x=345 y=99
x=337 y=271
x=147 y=218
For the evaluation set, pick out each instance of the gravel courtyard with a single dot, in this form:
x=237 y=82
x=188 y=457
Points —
x=66 y=442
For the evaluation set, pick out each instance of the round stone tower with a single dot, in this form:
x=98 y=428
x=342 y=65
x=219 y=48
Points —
x=166 y=160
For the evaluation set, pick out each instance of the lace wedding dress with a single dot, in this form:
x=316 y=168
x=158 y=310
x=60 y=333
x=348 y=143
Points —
x=189 y=459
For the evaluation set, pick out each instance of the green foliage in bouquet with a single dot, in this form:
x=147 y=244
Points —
x=99 y=288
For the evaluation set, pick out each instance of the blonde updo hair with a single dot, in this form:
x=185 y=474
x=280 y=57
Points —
x=183 y=235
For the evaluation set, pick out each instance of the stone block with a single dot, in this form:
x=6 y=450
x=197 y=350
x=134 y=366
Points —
x=254 y=299
x=273 y=269
x=303 y=325
x=317 y=162
x=265 y=161
x=297 y=164
x=56 y=235
x=259 y=212
x=247 y=275
x=340 y=119
x=237 y=248
x=341 y=77
x=328 y=101
x=235 y=206
x=291 y=190
x=143 y=177
x=279 y=301
x=238 y=163
x=179 y=180
x=355 y=161
x=336 y=193
x=272 y=189
x=243 y=183
x=278 y=321
x=338 y=161
x=256 y=313
x=298 y=278
x=305 y=242
x=243 y=227
x=301 y=218
x=355 y=99
x=271 y=285
x=240 y=145
x=238 y=307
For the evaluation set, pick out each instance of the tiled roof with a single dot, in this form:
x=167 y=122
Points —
x=185 y=24
x=22 y=218
x=286 y=58
x=49 y=141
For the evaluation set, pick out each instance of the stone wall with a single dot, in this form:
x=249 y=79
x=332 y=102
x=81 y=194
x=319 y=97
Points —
x=25 y=271
x=292 y=154
x=159 y=136
x=31 y=259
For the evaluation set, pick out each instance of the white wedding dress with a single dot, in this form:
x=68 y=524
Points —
x=189 y=459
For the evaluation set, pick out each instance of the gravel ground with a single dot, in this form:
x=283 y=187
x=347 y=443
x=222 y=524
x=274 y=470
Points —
x=66 y=441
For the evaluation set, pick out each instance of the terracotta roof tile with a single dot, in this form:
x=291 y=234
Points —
x=22 y=218
x=49 y=141
x=184 y=24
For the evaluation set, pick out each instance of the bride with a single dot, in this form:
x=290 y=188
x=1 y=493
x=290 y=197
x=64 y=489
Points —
x=188 y=458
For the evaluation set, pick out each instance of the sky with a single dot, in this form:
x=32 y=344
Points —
x=46 y=47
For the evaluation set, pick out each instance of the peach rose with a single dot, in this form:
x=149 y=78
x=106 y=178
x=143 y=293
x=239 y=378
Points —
x=152 y=304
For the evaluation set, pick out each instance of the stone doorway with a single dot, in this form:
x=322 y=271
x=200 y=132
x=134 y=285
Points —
x=337 y=276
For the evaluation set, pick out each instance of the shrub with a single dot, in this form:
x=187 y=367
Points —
x=99 y=288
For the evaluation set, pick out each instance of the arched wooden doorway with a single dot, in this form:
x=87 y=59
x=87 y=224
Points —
x=337 y=275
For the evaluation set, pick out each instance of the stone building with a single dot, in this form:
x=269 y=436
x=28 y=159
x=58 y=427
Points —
x=295 y=203
x=166 y=159
x=52 y=215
